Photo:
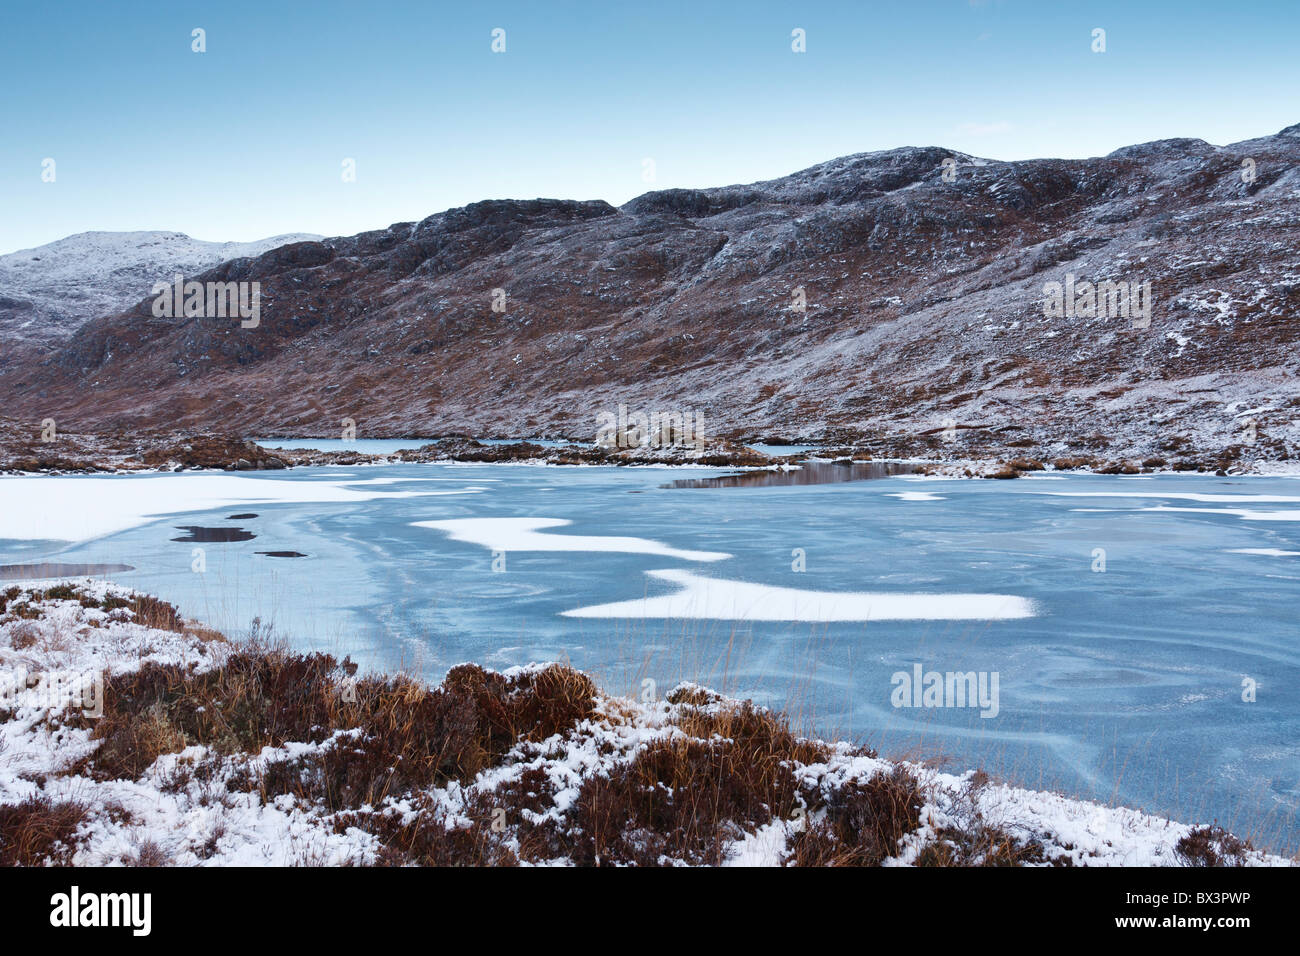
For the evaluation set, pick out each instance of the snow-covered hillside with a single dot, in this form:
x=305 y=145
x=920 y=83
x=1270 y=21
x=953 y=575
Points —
x=46 y=292
x=865 y=302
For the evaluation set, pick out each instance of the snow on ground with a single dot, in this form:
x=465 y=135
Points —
x=51 y=662
x=204 y=822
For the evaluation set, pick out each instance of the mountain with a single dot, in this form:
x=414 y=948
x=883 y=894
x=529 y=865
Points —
x=925 y=314
x=46 y=292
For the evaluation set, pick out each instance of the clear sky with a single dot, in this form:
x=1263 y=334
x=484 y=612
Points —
x=248 y=139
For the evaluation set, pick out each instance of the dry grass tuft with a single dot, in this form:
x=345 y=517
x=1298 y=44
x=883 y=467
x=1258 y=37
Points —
x=39 y=832
x=149 y=854
x=694 y=695
x=686 y=798
x=398 y=734
x=7 y=595
x=429 y=838
x=1212 y=846
x=864 y=822
x=984 y=845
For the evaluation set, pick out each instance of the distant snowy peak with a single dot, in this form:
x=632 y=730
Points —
x=47 y=292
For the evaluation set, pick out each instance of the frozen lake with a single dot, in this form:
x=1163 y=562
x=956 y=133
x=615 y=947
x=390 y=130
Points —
x=1124 y=619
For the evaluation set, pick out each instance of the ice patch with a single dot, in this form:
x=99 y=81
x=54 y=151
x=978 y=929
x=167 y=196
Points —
x=398 y=481
x=522 y=534
x=1268 y=552
x=914 y=496
x=722 y=600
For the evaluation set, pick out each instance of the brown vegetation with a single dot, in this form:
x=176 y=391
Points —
x=39 y=831
x=1212 y=846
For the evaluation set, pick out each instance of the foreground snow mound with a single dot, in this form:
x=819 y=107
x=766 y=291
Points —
x=129 y=735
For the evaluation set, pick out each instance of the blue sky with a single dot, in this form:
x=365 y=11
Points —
x=247 y=139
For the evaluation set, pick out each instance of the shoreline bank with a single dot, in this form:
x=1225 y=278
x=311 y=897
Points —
x=203 y=750
x=24 y=452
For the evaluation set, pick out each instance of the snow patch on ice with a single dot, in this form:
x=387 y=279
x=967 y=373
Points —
x=718 y=599
x=525 y=534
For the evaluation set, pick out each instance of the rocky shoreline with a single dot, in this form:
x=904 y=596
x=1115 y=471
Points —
x=24 y=451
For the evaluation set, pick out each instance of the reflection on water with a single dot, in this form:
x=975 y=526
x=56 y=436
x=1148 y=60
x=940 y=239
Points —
x=387 y=446
x=809 y=473
x=780 y=451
